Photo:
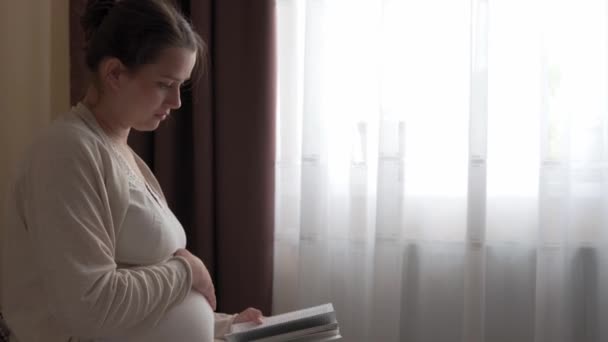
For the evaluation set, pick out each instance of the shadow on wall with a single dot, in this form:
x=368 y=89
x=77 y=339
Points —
x=35 y=77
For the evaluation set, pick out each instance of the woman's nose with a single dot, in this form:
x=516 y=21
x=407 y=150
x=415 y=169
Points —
x=174 y=100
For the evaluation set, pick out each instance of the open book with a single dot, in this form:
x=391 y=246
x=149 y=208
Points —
x=317 y=323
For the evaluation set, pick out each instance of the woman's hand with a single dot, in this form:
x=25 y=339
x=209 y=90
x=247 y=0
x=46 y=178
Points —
x=201 y=280
x=249 y=315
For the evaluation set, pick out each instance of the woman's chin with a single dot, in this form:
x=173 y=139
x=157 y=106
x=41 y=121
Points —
x=147 y=126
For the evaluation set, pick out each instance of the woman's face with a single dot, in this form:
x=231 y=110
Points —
x=148 y=95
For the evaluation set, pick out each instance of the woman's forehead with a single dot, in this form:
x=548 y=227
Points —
x=175 y=63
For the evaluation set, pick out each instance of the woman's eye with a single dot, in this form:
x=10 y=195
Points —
x=165 y=85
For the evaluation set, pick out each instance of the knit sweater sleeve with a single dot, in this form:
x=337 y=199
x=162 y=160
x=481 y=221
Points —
x=68 y=214
x=223 y=324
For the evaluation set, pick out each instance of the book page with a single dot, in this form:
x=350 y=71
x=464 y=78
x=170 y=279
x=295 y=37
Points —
x=282 y=318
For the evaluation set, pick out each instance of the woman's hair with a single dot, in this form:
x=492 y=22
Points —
x=136 y=31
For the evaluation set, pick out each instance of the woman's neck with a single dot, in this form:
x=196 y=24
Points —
x=105 y=116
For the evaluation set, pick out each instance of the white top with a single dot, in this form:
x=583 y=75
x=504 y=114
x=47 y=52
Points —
x=151 y=233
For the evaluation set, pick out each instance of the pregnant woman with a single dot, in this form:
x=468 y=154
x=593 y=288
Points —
x=91 y=250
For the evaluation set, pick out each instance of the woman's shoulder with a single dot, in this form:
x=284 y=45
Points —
x=69 y=135
x=69 y=148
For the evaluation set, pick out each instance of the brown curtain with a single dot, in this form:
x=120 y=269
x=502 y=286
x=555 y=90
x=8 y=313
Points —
x=214 y=157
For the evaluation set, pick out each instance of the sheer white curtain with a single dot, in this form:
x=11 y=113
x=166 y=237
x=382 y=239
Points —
x=442 y=167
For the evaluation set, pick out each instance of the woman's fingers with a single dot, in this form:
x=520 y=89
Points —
x=256 y=315
x=201 y=279
x=249 y=315
x=211 y=299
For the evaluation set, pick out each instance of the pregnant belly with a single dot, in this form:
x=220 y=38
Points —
x=190 y=321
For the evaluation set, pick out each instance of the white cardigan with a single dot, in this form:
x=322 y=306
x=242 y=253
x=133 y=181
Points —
x=63 y=277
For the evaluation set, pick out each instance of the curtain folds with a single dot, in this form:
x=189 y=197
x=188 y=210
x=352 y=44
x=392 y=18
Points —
x=214 y=157
x=442 y=166
x=235 y=107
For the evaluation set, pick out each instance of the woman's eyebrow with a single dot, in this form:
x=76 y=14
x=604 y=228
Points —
x=173 y=78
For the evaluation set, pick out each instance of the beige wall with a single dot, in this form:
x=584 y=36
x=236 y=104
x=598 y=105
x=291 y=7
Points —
x=34 y=64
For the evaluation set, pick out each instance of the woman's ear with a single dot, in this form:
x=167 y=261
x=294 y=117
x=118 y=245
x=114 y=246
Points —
x=112 y=72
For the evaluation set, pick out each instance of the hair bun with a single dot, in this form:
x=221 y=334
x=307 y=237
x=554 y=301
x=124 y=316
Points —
x=94 y=14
